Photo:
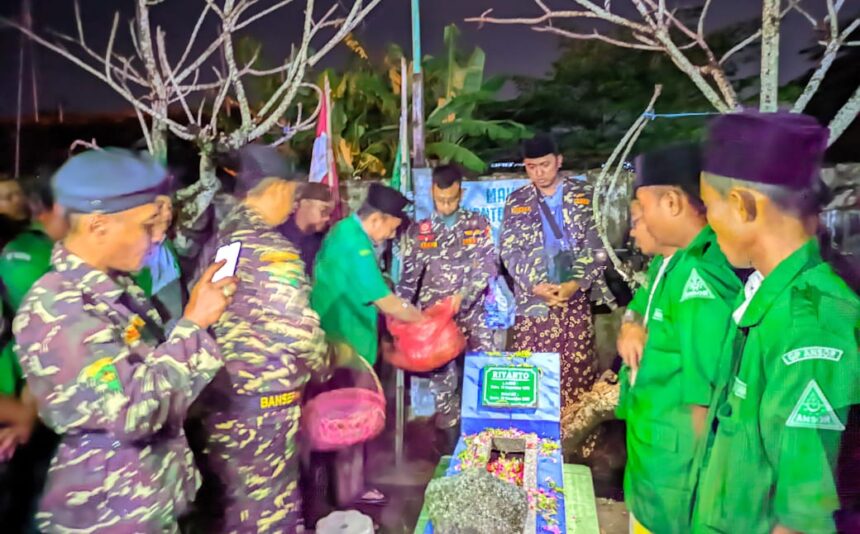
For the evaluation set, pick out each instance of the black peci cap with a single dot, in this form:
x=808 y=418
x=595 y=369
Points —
x=678 y=165
x=387 y=200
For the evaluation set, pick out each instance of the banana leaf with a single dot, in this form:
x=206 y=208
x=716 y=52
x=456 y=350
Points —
x=450 y=152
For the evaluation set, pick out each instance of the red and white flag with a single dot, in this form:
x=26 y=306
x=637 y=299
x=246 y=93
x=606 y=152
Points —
x=323 y=165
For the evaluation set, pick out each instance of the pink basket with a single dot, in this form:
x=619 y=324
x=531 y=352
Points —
x=343 y=417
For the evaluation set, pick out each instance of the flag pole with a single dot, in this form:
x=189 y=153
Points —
x=329 y=151
x=400 y=423
x=417 y=89
x=404 y=473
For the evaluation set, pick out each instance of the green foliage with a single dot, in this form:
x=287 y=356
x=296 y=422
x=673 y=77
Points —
x=596 y=90
x=366 y=114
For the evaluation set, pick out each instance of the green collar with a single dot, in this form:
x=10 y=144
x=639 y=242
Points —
x=801 y=260
x=359 y=228
x=699 y=243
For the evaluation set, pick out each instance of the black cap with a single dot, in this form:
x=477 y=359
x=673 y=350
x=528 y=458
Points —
x=387 y=200
x=676 y=165
x=258 y=162
x=539 y=146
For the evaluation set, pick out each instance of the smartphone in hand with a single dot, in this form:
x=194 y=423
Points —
x=230 y=254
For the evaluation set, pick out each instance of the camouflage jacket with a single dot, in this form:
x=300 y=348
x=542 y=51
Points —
x=106 y=379
x=270 y=337
x=439 y=261
x=522 y=244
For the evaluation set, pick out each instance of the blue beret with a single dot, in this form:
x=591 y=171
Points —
x=258 y=162
x=108 y=181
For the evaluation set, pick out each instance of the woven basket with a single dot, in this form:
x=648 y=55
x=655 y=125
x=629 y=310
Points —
x=343 y=417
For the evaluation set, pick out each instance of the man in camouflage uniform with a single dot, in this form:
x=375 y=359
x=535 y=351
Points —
x=273 y=345
x=105 y=376
x=450 y=254
x=555 y=276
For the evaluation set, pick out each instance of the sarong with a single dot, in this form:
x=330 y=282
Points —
x=569 y=331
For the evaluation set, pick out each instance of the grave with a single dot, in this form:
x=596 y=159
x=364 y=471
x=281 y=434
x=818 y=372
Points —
x=510 y=428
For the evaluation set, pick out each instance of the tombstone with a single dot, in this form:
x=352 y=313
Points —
x=510 y=426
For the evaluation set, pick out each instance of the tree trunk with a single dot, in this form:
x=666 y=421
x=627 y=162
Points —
x=770 y=19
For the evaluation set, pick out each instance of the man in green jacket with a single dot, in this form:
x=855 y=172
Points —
x=632 y=335
x=349 y=291
x=781 y=407
x=665 y=401
x=23 y=261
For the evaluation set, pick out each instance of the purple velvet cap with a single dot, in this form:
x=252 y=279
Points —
x=779 y=148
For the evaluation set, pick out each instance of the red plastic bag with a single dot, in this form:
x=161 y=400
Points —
x=428 y=345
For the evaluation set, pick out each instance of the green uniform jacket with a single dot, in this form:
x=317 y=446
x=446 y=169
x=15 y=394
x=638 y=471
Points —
x=347 y=281
x=23 y=261
x=687 y=326
x=782 y=404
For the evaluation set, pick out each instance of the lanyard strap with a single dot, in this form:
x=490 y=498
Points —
x=657 y=279
x=553 y=224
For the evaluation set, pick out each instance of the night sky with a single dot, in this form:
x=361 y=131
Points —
x=510 y=50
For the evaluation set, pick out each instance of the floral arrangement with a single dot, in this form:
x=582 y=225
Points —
x=514 y=471
x=508 y=469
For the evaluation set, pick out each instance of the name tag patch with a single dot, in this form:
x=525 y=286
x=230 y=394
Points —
x=17 y=255
x=520 y=210
x=812 y=353
x=581 y=201
x=470 y=241
x=813 y=410
x=429 y=244
x=278 y=400
x=739 y=388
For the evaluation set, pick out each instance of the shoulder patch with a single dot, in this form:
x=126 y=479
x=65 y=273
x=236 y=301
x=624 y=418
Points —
x=425 y=227
x=102 y=374
x=278 y=256
x=696 y=288
x=812 y=353
x=813 y=410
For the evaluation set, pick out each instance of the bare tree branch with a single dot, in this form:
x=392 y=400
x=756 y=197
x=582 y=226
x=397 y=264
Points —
x=122 y=91
x=168 y=72
x=233 y=76
x=595 y=35
x=193 y=38
x=844 y=117
x=604 y=185
x=702 y=16
x=827 y=59
x=111 y=40
x=145 y=129
x=531 y=21
x=262 y=14
x=302 y=124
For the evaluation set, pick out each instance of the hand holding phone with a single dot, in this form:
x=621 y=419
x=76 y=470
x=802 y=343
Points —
x=230 y=255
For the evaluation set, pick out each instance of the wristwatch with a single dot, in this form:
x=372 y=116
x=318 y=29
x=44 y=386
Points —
x=631 y=316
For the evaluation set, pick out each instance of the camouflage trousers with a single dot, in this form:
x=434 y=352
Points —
x=251 y=473
x=445 y=384
x=478 y=336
